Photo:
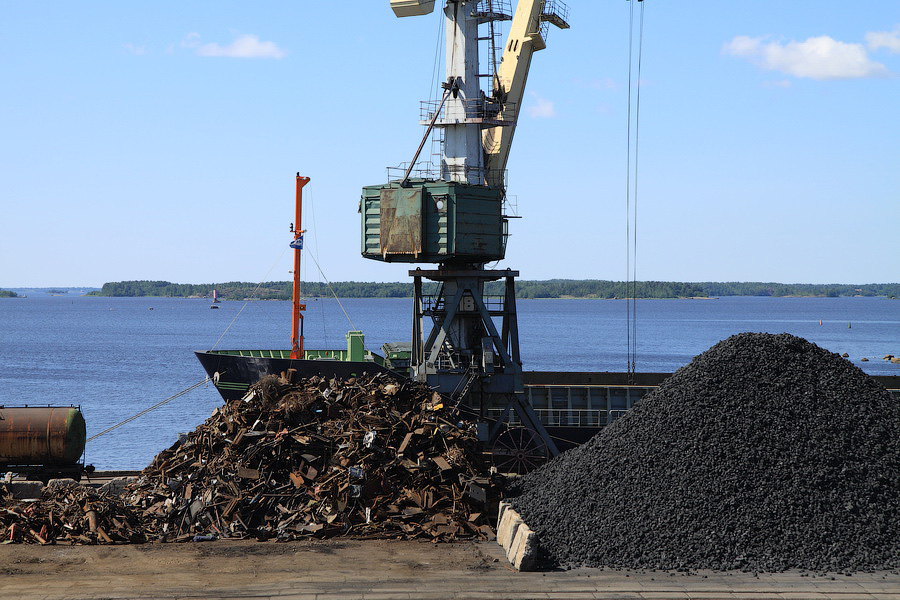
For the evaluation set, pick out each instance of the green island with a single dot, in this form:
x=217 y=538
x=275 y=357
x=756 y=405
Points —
x=8 y=294
x=552 y=288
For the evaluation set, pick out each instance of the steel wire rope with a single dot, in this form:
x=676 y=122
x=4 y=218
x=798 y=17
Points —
x=315 y=232
x=331 y=289
x=637 y=143
x=150 y=409
x=628 y=195
x=434 y=75
x=333 y=293
x=494 y=33
x=631 y=181
x=247 y=301
x=436 y=60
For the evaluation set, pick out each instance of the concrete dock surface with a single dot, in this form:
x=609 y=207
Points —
x=381 y=569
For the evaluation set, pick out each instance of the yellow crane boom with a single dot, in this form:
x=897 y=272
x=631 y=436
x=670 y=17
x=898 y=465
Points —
x=525 y=38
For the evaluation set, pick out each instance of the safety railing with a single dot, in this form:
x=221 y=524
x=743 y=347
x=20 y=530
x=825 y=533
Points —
x=469 y=110
x=435 y=303
x=565 y=417
x=554 y=12
x=436 y=172
x=497 y=10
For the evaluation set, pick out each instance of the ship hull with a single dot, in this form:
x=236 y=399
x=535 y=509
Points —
x=572 y=406
x=233 y=374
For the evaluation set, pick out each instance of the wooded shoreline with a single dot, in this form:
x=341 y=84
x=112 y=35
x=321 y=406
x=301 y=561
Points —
x=553 y=288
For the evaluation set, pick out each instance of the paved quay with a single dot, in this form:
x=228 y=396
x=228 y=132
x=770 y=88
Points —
x=341 y=569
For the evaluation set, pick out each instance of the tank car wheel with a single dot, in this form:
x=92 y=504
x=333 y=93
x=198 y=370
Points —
x=518 y=450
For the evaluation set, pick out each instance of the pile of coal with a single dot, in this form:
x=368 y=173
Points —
x=368 y=457
x=68 y=514
x=765 y=453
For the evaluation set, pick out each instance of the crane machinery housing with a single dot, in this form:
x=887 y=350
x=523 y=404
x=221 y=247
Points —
x=453 y=213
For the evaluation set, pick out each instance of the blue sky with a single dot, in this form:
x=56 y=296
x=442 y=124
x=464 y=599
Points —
x=159 y=140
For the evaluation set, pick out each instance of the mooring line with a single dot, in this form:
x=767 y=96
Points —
x=147 y=410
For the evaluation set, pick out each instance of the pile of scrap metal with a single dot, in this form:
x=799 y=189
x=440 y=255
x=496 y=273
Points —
x=368 y=457
x=68 y=514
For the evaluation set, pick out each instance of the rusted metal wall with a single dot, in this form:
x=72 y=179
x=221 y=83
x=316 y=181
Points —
x=432 y=221
x=401 y=221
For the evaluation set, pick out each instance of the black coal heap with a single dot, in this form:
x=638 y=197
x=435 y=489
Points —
x=765 y=453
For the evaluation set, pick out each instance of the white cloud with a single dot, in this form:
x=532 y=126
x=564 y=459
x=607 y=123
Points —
x=243 y=46
x=884 y=39
x=138 y=50
x=816 y=58
x=605 y=83
x=191 y=40
x=542 y=108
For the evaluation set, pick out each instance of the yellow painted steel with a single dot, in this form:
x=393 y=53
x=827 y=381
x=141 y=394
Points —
x=509 y=83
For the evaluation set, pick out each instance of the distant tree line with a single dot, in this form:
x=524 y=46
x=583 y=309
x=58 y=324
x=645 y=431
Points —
x=552 y=288
x=598 y=288
x=827 y=290
x=8 y=294
x=270 y=290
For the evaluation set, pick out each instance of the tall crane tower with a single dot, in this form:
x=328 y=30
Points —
x=452 y=213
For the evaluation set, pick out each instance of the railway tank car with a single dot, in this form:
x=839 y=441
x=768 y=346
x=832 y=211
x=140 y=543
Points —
x=42 y=441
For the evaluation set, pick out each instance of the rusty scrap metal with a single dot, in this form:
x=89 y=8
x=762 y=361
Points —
x=68 y=514
x=368 y=457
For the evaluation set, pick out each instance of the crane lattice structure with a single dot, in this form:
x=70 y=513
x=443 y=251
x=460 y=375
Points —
x=452 y=214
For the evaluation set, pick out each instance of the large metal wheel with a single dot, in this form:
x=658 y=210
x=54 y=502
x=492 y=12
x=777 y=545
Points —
x=518 y=450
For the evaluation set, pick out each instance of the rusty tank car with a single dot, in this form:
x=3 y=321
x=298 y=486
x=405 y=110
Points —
x=42 y=441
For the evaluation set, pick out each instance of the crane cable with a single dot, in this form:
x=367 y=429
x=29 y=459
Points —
x=314 y=254
x=150 y=409
x=314 y=257
x=248 y=300
x=265 y=278
x=333 y=293
x=631 y=185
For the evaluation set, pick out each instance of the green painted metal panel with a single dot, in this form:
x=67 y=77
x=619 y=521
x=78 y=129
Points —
x=356 y=346
x=454 y=221
x=342 y=355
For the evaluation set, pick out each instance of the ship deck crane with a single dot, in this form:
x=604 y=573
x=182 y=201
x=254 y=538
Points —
x=452 y=214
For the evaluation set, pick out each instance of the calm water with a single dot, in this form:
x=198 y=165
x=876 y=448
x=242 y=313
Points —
x=117 y=356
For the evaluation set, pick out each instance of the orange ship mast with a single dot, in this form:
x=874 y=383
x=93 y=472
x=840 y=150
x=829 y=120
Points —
x=297 y=244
